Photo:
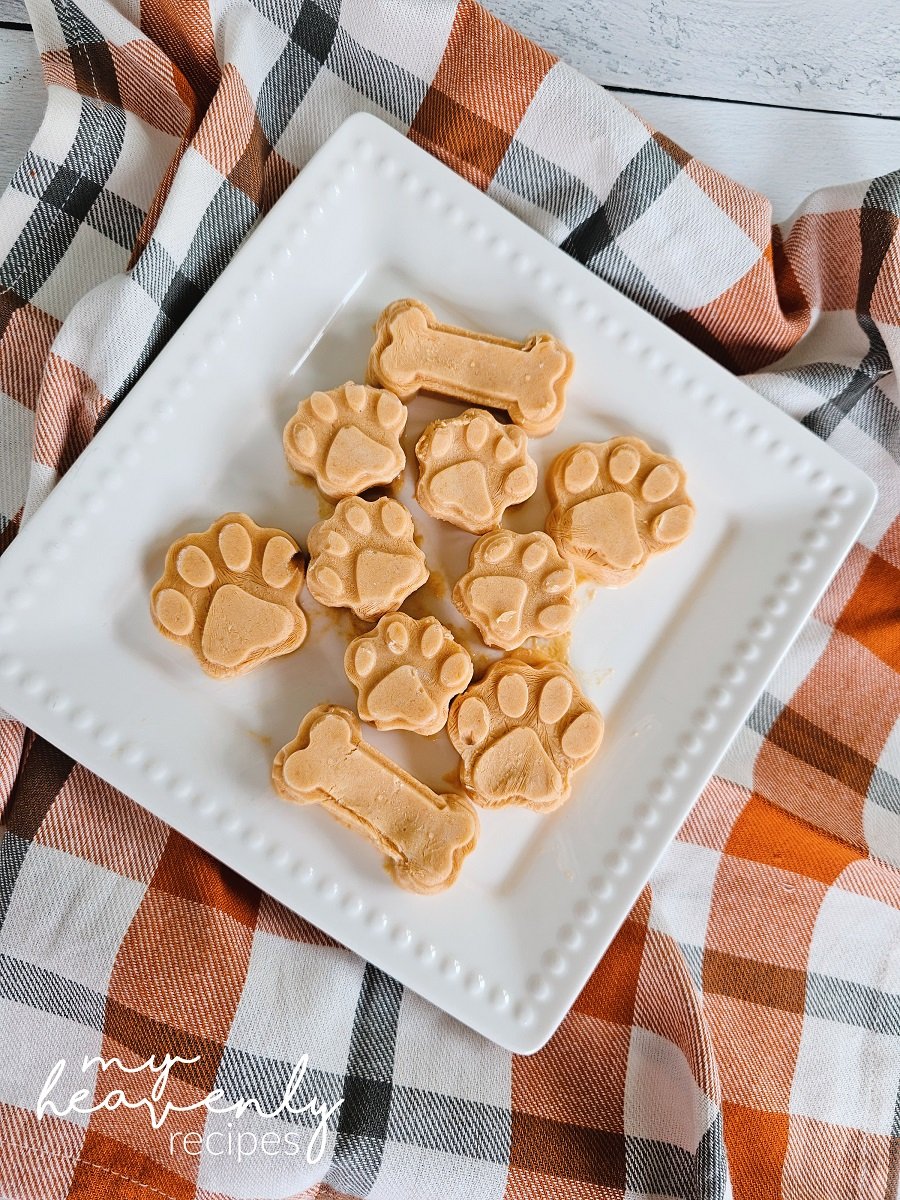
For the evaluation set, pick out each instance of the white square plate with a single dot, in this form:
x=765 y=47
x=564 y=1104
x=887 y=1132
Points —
x=674 y=660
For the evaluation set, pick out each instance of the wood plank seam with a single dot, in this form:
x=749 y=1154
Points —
x=637 y=91
x=805 y=108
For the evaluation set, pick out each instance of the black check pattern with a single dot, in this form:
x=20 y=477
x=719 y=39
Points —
x=366 y=1111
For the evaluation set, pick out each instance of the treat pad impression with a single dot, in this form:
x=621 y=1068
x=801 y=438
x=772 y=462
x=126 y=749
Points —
x=673 y=657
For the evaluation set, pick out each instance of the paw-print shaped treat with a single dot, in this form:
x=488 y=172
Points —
x=347 y=439
x=406 y=673
x=364 y=557
x=615 y=504
x=521 y=733
x=517 y=586
x=230 y=594
x=472 y=468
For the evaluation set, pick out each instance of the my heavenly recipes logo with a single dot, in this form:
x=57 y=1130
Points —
x=240 y=1143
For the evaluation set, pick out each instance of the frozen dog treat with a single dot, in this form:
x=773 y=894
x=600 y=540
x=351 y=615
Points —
x=472 y=468
x=230 y=594
x=424 y=836
x=615 y=505
x=414 y=352
x=517 y=586
x=406 y=672
x=364 y=557
x=522 y=732
x=347 y=439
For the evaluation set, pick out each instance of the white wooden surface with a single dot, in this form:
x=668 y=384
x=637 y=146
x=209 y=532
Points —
x=833 y=54
x=13 y=11
x=784 y=153
x=813 y=54
x=21 y=95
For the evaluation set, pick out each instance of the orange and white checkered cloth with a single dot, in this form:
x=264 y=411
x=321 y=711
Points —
x=742 y=1035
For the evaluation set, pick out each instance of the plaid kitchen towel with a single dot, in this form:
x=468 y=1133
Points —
x=742 y=1035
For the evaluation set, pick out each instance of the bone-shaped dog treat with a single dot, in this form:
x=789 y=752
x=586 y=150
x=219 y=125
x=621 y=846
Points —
x=414 y=352
x=424 y=836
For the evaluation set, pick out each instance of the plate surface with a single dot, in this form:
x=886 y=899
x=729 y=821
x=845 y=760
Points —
x=674 y=661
